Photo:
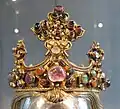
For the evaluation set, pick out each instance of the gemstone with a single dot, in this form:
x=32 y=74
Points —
x=71 y=24
x=12 y=84
x=94 y=83
x=85 y=79
x=44 y=82
x=59 y=9
x=37 y=26
x=66 y=68
x=56 y=74
x=55 y=50
x=72 y=35
x=40 y=71
x=57 y=84
x=11 y=77
x=29 y=78
x=78 y=29
x=93 y=72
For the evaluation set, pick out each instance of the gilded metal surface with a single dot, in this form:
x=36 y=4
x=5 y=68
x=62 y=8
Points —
x=58 y=33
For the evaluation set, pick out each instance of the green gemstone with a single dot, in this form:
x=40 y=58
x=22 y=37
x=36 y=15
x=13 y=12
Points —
x=85 y=79
x=93 y=72
x=57 y=85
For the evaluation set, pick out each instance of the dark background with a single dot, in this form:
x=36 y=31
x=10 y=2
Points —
x=88 y=13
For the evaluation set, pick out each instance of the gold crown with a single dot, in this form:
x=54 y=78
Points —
x=56 y=77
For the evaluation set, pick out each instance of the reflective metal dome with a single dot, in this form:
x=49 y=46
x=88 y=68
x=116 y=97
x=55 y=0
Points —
x=84 y=101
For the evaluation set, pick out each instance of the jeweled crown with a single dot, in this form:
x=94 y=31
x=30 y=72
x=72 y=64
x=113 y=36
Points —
x=56 y=74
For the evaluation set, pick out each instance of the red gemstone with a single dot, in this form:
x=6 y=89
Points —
x=56 y=74
x=44 y=82
x=59 y=9
x=78 y=29
x=39 y=71
x=71 y=24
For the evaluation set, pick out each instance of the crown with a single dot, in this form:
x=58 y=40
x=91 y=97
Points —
x=56 y=77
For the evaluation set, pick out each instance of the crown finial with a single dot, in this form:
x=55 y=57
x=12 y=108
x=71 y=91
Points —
x=57 y=26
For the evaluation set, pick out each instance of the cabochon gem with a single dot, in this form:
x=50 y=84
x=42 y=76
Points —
x=56 y=74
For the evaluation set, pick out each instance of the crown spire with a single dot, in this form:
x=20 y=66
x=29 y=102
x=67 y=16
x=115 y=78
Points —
x=57 y=26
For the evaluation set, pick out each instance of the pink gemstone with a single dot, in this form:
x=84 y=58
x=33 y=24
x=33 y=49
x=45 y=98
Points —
x=56 y=74
x=59 y=9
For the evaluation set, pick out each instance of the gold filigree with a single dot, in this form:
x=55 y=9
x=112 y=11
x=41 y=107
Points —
x=58 y=33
